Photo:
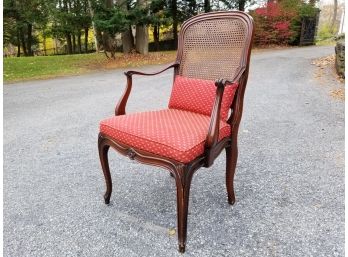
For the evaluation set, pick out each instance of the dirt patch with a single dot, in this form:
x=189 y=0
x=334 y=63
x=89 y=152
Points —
x=324 y=61
x=338 y=94
x=327 y=76
x=137 y=60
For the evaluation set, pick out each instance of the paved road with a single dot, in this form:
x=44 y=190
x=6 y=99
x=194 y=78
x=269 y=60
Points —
x=289 y=180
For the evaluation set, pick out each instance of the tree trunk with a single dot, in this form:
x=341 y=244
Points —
x=127 y=41
x=206 y=5
x=107 y=39
x=68 y=42
x=109 y=45
x=241 y=5
x=99 y=37
x=18 y=43
x=142 y=39
x=73 y=44
x=29 y=38
x=79 y=42
x=55 y=46
x=95 y=32
x=66 y=8
x=193 y=7
x=156 y=37
x=142 y=34
x=127 y=36
x=19 y=50
x=174 y=8
x=44 y=43
x=22 y=39
x=333 y=22
x=86 y=39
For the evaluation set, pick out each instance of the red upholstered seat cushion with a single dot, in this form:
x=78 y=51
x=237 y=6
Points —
x=176 y=134
x=198 y=95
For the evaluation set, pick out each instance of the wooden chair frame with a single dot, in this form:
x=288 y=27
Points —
x=183 y=173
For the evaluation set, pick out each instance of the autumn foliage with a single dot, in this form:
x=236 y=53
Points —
x=272 y=24
x=278 y=23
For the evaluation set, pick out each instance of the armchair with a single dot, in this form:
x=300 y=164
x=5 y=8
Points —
x=210 y=76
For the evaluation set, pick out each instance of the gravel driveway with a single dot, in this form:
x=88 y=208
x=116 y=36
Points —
x=289 y=179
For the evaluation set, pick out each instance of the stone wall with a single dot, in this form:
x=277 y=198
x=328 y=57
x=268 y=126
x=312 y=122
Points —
x=339 y=50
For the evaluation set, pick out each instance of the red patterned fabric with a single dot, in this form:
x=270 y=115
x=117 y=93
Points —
x=176 y=134
x=198 y=95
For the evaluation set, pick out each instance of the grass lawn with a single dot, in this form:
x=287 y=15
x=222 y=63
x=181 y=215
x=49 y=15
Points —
x=43 y=67
x=326 y=42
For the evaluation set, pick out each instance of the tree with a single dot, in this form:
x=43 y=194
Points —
x=24 y=16
x=69 y=21
x=334 y=17
x=241 y=5
x=141 y=33
x=127 y=35
x=95 y=32
x=109 y=19
x=159 y=17
x=11 y=33
x=237 y=4
x=207 y=6
x=71 y=18
x=174 y=15
x=280 y=22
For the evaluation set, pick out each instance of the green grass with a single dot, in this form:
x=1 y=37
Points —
x=41 y=67
x=44 y=67
x=326 y=42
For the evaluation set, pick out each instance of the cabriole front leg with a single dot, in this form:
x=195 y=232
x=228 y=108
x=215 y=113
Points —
x=103 y=155
x=183 y=191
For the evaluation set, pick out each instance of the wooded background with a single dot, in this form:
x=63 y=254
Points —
x=41 y=27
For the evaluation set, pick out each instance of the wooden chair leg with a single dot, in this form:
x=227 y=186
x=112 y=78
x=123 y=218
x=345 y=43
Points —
x=231 y=162
x=103 y=155
x=183 y=192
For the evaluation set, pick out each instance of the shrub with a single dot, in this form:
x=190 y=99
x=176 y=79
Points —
x=326 y=32
x=280 y=22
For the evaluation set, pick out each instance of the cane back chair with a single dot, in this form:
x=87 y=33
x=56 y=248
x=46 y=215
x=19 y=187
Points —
x=210 y=76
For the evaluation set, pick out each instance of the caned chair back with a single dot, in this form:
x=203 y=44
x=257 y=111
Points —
x=214 y=45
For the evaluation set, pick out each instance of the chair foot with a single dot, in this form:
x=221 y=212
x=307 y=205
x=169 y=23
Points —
x=181 y=248
x=107 y=198
x=231 y=199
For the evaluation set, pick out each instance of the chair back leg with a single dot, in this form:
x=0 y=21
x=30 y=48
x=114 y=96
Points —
x=103 y=148
x=231 y=162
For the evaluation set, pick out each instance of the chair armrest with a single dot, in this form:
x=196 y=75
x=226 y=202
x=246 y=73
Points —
x=131 y=72
x=214 y=126
x=121 y=105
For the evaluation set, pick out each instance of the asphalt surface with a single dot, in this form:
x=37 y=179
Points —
x=289 y=180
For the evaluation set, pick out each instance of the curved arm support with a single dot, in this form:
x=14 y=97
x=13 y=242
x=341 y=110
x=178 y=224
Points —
x=213 y=131
x=214 y=126
x=121 y=105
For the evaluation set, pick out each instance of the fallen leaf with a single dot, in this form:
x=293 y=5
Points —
x=171 y=231
x=338 y=94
